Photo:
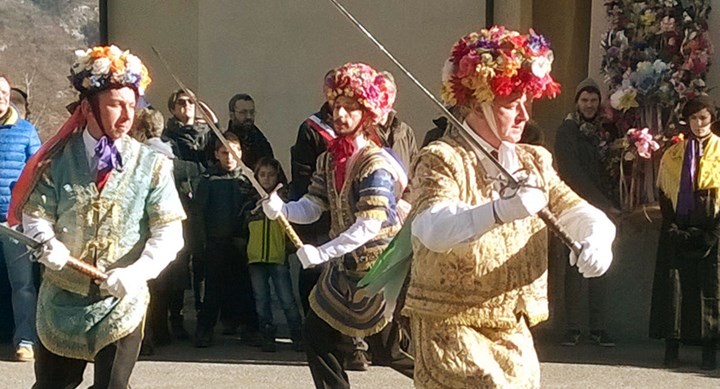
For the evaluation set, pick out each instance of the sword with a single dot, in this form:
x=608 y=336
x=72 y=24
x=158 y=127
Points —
x=469 y=135
x=36 y=246
x=284 y=223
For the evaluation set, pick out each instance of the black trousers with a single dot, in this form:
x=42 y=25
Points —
x=228 y=289
x=326 y=348
x=113 y=366
x=306 y=282
x=325 y=355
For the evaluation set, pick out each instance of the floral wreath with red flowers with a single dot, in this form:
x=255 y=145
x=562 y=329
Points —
x=372 y=89
x=101 y=67
x=498 y=62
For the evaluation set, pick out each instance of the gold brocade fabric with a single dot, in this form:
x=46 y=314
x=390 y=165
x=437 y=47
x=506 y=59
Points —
x=671 y=168
x=472 y=357
x=470 y=307
x=502 y=275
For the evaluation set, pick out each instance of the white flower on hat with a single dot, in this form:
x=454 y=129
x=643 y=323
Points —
x=133 y=64
x=447 y=70
x=101 y=66
x=82 y=60
x=115 y=51
x=542 y=65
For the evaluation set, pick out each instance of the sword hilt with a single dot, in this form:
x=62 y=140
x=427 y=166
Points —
x=86 y=269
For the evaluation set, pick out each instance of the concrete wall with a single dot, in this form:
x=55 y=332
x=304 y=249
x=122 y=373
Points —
x=278 y=51
x=171 y=26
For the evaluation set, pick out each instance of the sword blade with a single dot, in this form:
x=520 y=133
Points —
x=73 y=263
x=469 y=135
x=20 y=237
x=284 y=222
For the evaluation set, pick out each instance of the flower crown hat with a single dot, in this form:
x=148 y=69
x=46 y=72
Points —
x=373 y=90
x=103 y=67
x=497 y=62
x=95 y=69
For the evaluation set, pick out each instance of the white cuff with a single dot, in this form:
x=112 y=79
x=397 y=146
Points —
x=37 y=228
x=361 y=232
x=584 y=222
x=303 y=211
x=447 y=224
x=166 y=240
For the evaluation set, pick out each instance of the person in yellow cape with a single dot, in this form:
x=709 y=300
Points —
x=94 y=193
x=686 y=289
x=479 y=271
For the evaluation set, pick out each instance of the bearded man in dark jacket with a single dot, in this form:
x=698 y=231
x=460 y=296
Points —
x=242 y=123
x=581 y=146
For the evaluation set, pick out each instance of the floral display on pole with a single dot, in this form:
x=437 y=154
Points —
x=656 y=56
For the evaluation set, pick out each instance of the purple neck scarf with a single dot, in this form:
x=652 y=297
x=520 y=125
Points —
x=688 y=178
x=108 y=155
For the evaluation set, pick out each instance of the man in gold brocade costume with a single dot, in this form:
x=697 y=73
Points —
x=479 y=272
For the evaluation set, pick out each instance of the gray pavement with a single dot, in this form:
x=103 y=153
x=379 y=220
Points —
x=231 y=365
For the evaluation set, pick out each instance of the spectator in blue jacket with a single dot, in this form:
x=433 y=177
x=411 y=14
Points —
x=18 y=142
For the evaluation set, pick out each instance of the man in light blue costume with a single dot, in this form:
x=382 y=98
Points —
x=95 y=194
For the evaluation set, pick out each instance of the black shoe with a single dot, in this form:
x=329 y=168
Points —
x=253 y=339
x=203 y=338
x=147 y=347
x=672 y=353
x=601 y=338
x=297 y=340
x=709 y=357
x=357 y=361
x=163 y=339
x=268 y=346
x=571 y=338
x=179 y=331
x=298 y=346
x=268 y=338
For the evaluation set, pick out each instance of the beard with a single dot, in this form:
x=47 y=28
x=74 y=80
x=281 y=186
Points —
x=244 y=126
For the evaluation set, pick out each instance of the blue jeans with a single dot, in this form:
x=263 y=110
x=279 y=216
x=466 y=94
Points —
x=261 y=274
x=24 y=293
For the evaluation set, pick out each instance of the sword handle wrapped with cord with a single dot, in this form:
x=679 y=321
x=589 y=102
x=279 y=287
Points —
x=36 y=246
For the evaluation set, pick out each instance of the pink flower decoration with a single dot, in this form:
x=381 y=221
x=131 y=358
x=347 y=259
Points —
x=643 y=141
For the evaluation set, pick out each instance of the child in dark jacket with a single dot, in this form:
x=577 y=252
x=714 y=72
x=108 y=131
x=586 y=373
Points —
x=223 y=196
x=267 y=258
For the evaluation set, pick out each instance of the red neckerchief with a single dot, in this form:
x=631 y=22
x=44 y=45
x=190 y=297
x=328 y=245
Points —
x=341 y=149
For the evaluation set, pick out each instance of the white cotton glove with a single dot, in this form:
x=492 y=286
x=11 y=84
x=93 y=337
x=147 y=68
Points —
x=527 y=201
x=54 y=255
x=311 y=256
x=273 y=206
x=594 y=259
x=123 y=281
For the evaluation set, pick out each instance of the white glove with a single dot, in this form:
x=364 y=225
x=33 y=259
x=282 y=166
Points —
x=273 y=206
x=311 y=256
x=54 y=255
x=594 y=259
x=527 y=201
x=123 y=281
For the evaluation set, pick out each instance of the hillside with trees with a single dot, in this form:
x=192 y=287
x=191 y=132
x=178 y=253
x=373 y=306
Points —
x=39 y=38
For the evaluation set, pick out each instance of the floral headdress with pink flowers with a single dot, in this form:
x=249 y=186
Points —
x=101 y=67
x=498 y=62
x=360 y=81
